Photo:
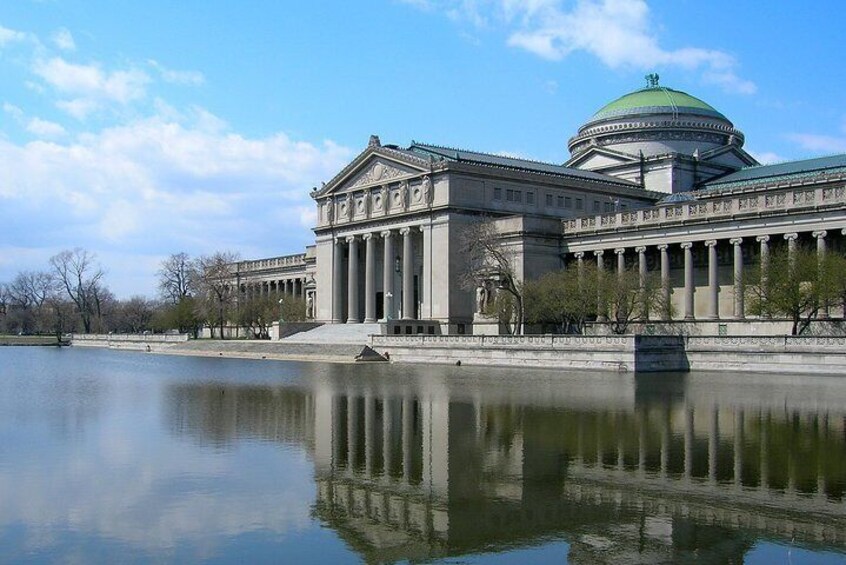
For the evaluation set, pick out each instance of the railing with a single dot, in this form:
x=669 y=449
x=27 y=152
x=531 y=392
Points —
x=715 y=208
x=297 y=260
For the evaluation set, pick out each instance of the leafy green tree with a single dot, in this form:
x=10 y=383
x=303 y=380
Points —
x=796 y=286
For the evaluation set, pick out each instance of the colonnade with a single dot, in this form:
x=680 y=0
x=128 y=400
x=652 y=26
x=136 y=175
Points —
x=291 y=287
x=763 y=243
x=398 y=267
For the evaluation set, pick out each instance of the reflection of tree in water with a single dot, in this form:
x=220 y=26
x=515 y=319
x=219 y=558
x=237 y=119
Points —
x=219 y=414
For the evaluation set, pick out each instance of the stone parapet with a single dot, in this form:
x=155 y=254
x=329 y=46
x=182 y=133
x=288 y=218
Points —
x=776 y=202
x=296 y=260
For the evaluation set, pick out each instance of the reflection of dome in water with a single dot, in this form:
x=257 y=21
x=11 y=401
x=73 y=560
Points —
x=656 y=120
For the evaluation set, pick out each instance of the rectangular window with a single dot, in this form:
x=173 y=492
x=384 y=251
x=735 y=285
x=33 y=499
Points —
x=530 y=198
x=560 y=201
x=608 y=207
x=509 y=195
x=549 y=200
x=518 y=196
x=497 y=193
x=579 y=204
x=596 y=205
x=568 y=202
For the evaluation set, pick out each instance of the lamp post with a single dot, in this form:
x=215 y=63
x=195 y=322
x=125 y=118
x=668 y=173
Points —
x=390 y=298
x=281 y=318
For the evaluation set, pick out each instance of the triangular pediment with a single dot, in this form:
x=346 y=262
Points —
x=598 y=158
x=375 y=166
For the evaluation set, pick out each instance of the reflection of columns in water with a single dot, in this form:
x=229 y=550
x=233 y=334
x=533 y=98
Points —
x=620 y=448
x=369 y=448
x=665 y=441
x=713 y=443
x=352 y=432
x=641 y=443
x=580 y=436
x=765 y=470
x=688 y=442
x=387 y=436
x=738 y=446
x=407 y=423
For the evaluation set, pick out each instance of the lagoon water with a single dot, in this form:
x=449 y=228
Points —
x=130 y=457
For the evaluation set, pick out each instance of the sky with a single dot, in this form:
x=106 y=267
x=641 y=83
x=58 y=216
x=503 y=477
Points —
x=140 y=129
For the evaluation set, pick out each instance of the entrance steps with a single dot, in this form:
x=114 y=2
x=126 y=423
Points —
x=336 y=333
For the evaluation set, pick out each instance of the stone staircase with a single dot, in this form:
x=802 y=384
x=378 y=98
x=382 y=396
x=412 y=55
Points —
x=358 y=334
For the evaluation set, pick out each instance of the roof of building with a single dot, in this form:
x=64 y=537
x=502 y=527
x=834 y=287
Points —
x=503 y=161
x=780 y=171
x=654 y=100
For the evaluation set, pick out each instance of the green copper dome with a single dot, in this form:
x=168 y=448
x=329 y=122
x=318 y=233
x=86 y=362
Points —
x=656 y=100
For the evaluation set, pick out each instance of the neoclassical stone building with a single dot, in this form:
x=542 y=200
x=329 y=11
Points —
x=656 y=178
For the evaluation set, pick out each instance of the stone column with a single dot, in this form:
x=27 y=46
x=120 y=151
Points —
x=688 y=280
x=739 y=303
x=621 y=260
x=580 y=264
x=821 y=251
x=665 y=279
x=407 y=275
x=387 y=273
x=713 y=281
x=600 y=271
x=641 y=271
x=352 y=282
x=370 y=279
x=337 y=280
x=791 y=247
x=765 y=260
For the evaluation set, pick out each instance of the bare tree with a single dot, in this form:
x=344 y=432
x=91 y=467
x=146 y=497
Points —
x=216 y=283
x=488 y=260
x=79 y=275
x=177 y=278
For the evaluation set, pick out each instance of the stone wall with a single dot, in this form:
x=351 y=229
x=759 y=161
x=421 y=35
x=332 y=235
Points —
x=134 y=342
x=768 y=354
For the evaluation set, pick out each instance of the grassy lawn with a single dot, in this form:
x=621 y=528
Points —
x=27 y=340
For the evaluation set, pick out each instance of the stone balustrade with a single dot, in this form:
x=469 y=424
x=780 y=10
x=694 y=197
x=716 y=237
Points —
x=710 y=209
x=297 y=260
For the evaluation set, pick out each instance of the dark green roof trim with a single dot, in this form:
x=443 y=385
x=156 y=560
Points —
x=780 y=172
x=488 y=159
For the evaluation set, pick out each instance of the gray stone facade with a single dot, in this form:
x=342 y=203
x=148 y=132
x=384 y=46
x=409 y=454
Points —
x=667 y=187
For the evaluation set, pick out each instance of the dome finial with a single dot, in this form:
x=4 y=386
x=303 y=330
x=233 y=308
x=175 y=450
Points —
x=652 y=80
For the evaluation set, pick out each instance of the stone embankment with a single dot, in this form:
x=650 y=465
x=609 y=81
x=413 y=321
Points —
x=770 y=354
x=179 y=344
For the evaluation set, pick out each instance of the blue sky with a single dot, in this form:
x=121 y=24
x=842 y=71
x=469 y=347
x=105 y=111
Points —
x=138 y=129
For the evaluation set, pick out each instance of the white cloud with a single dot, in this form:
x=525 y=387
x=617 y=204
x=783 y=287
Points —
x=191 y=78
x=88 y=85
x=64 y=40
x=44 y=128
x=158 y=185
x=617 y=32
x=822 y=143
x=767 y=157
x=13 y=111
x=10 y=35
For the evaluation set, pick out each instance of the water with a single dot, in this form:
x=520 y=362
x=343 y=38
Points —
x=130 y=457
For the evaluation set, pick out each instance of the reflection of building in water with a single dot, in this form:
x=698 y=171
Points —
x=425 y=469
